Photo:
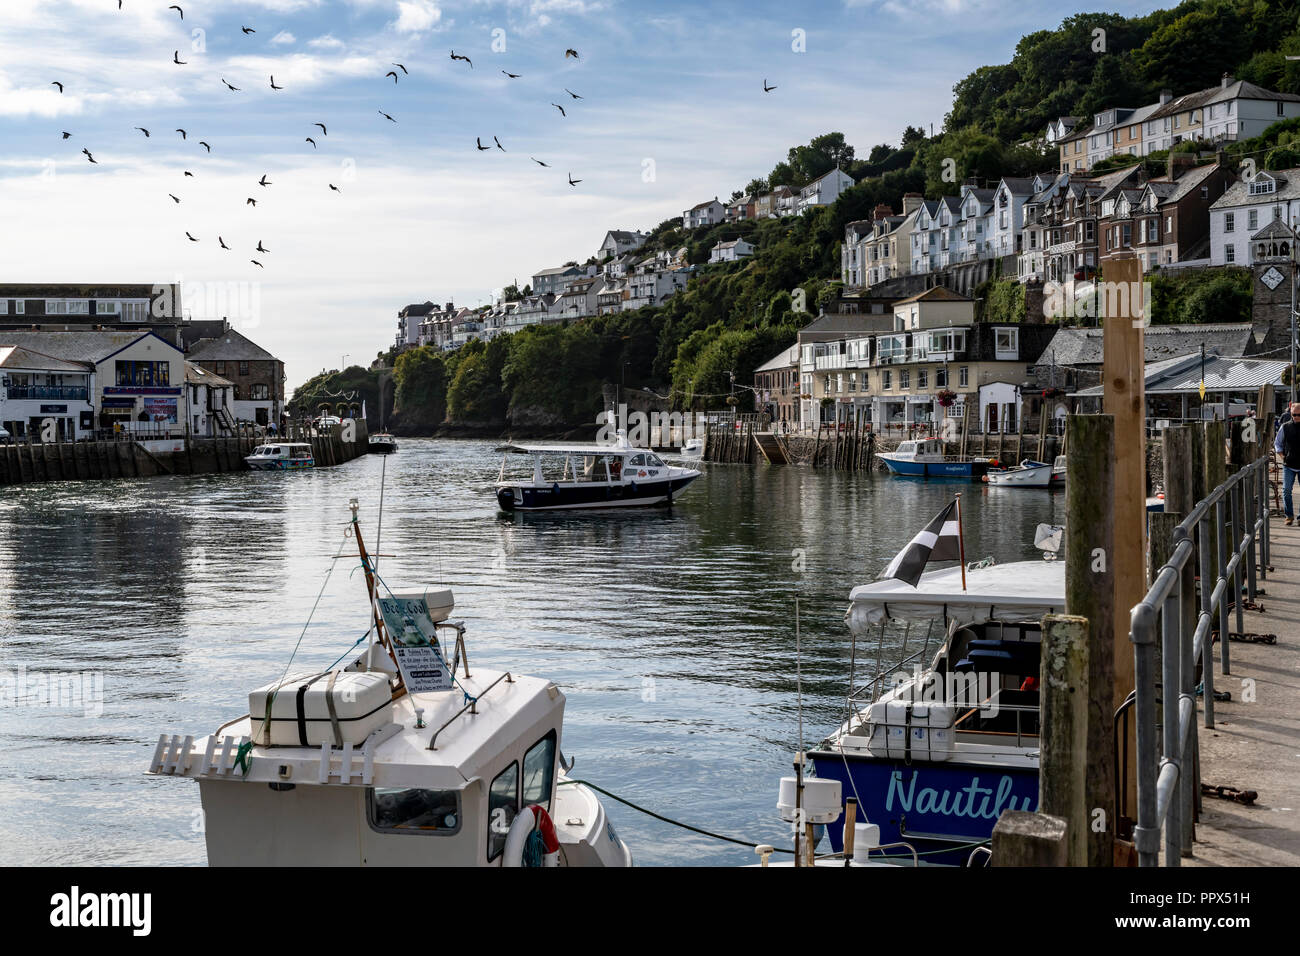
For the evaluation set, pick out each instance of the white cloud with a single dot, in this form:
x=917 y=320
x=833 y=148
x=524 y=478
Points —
x=283 y=37
x=327 y=42
x=416 y=16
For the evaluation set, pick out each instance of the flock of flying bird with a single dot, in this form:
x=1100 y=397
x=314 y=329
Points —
x=264 y=182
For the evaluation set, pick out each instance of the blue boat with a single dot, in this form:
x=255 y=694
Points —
x=590 y=475
x=924 y=458
x=939 y=744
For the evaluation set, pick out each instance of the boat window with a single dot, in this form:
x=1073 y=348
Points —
x=503 y=807
x=413 y=810
x=636 y=461
x=273 y=451
x=653 y=461
x=539 y=772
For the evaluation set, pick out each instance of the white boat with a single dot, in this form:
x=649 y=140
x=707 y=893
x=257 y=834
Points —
x=692 y=449
x=1058 y=470
x=1028 y=474
x=589 y=475
x=925 y=458
x=382 y=443
x=402 y=757
x=281 y=456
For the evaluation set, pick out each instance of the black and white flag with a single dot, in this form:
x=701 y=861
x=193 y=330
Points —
x=939 y=541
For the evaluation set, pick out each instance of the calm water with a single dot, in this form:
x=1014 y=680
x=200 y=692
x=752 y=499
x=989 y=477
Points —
x=671 y=633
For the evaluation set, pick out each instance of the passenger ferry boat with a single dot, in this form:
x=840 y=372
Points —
x=281 y=456
x=590 y=475
x=935 y=747
x=402 y=757
x=382 y=443
x=925 y=458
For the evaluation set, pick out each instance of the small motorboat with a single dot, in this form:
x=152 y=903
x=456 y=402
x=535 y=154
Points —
x=402 y=757
x=925 y=458
x=692 y=449
x=1028 y=474
x=1058 y=471
x=382 y=443
x=281 y=456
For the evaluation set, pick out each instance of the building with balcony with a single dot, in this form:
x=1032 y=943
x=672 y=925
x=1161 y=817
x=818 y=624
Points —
x=35 y=388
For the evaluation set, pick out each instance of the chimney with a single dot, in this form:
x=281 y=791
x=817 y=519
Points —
x=450 y=307
x=1178 y=164
x=881 y=211
x=1225 y=81
x=1165 y=96
x=911 y=201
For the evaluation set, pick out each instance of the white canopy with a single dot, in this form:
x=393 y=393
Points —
x=1020 y=591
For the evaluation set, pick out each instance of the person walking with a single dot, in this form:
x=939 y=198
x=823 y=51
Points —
x=1287 y=444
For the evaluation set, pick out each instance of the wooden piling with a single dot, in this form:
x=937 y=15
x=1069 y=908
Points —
x=1063 y=731
x=1021 y=838
x=1090 y=593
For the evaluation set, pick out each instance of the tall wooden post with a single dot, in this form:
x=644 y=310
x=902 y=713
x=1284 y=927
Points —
x=1090 y=593
x=1125 y=400
x=1063 y=766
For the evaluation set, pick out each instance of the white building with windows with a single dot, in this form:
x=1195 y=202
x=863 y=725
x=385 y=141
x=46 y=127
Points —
x=708 y=213
x=731 y=251
x=824 y=190
x=1249 y=207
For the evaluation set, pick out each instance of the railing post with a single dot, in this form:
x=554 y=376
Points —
x=1248 y=508
x=1188 y=748
x=1234 y=526
x=1207 y=613
x=1220 y=578
x=1265 y=544
x=1171 y=680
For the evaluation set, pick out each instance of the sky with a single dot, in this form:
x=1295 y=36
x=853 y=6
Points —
x=672 y=112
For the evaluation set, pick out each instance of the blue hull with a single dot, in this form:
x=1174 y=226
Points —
x=960 y=802
x=966 y=470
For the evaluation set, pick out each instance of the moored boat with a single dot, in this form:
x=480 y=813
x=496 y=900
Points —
x=1028 y=474
x=395 y=759
x=588 y=475
x=382 y=443
x=281 y=456
x=925 y=458
x=1058 y=470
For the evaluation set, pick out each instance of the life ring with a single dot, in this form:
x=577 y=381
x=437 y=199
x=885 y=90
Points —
x=517 y=838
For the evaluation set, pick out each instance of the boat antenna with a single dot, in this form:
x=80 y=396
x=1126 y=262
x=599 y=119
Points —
x=383 y=474
x=961 y=543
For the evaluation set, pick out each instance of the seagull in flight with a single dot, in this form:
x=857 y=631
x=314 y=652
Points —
x=386 y=116
x=250 y=202
x=264 y=181
x=205 y=146
x=189 y=174
x=67 y=135
x=480 y=143
x=260 y=248
x=256 y=263
x=174 y=199
x=235 y=88
x=178 y=10
x=88 y=156
x=571 y=93
x=456 y=56
x=572 y=181
x=404 y=69
x=498 y=142
x=513 y=76
x=176 y=58
x=335 y=188
x=182 y=132
x=539 y=162
x=273 y=86
x=393 y=74
x=324 y=132
x=247 y=30
x=560 y=108
x=766 y=88
x=190 y=238
x=571 y=53
x=223 y=243
x=312 y=141
x=143 y=130
x=58 y=84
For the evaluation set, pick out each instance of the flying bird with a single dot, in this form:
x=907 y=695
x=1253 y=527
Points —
x=766 y=88
x=143 y=130
x=256 y=263
x=513 y=76
x=312 y=141
x=235 y=88
x=571 y=93
x=67 y=135
x=386 y=116
x=88 y=156
x=190 y=238
x=58 y=84
x=273 y=86
x=205 y=146
x=393 y=74
x=188 y=173
x=250 y=202
x=404 y=69
x=223 y=243
x=264 y=181
x=259 y=247
x=480 y=143
x=176 y=58
x=174 y=199
x=335 y=188
x=182 y=132
x=560 y=108
x=572 y=181
x=498 y=142
x=539 y=162
x=324 y=132
x=178 y=10
x=456 y=56
x=571 y=53
x=247 y=30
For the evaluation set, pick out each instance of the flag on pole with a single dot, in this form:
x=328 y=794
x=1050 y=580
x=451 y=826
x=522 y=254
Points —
x=940 y=540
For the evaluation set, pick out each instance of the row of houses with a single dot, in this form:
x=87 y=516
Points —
x=79 y=361
x=781 y=201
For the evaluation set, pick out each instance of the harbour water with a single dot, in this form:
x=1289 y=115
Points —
x=671 y=632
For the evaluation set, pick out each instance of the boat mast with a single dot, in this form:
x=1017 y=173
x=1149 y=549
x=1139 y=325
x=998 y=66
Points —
x=368 y=568
x=961 y=543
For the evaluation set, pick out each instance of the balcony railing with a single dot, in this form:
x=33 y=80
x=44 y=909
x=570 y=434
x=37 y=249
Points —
x=61 y=392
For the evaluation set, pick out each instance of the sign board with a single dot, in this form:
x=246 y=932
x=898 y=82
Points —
x=54 y=409
x=415 y=643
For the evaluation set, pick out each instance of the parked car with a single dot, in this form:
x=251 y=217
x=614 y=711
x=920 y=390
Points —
x=5 y=437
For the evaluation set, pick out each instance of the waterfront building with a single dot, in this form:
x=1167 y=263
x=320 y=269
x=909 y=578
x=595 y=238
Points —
x=1242 y=220
x=210 y=402
x=1167 y=220
x=776 y=387
x=35 y=387
x=409 y=321
x=256 y=375
x=73 y=306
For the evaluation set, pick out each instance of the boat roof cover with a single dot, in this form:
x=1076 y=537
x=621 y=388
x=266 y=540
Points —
x=570 y=448
x=1019 y=591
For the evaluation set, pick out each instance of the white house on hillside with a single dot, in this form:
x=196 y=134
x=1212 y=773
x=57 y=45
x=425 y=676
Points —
x=731 y=251
x=1249 y=207
x=824 y=190
x=708 y=213
x=619 y=241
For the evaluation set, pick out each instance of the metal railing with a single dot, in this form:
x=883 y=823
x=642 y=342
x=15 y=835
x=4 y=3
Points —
x=1168 y=769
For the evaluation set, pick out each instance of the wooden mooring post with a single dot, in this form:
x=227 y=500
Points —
x=1063 y=705
x=1021 y=838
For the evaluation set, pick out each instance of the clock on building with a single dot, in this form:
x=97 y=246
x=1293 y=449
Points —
x=1272 y=278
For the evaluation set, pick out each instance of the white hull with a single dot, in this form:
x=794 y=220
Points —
x=1036 y=476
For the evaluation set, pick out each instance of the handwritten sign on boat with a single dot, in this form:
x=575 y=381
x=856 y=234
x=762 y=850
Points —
x=412 y=629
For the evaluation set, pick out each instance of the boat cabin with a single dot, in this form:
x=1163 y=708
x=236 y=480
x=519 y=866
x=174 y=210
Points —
x=588 y=475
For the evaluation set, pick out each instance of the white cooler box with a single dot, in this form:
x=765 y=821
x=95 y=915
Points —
x=901 y=727
x=301 y=710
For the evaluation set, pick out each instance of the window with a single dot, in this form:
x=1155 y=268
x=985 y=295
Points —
x=219 y=368
x=1279 y=107
x=853 y=381
x=1229 y=253
x=539 y=772
x=963 y=377
x=503 y=807
x=260 y=393
x=922 y=379
x=1229 y=222
x=886 y=381
x=1262 y=185
x=67 y=306
x=243 y=368
x=941 y=378
x=412 y=810
x=1252 y=219
x=904 y=379
x=19 y=305
x=1006 y=343
x=142 y=373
